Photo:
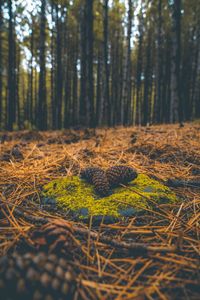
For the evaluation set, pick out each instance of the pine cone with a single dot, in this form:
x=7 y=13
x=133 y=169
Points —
x=88 y=173
x=97 y=177
x=36 y=276
x=120 y=175
x=101 y=184
x=16 y=153
x=54 y=237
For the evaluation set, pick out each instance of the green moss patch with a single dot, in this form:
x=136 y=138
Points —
x=78 y=196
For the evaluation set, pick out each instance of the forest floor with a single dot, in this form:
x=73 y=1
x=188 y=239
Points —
x=149 y=256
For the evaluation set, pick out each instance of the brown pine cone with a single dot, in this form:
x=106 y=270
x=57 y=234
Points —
x=13 y=154
x=36 y=277
x=88 y=173
x=101 y=184
x=16 y=153
x=54 y=237
x=97 y=177
x=120 y=175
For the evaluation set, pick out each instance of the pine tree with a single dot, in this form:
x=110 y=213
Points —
x=42 y=97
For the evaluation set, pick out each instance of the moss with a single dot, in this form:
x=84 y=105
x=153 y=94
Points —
x=75 y=194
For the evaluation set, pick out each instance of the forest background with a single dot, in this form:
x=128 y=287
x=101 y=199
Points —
x=89 y=63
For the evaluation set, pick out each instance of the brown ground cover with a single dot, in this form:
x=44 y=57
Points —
x=149 y=256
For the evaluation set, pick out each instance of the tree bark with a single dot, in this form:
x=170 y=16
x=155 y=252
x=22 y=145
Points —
x=83 y=23
x=1 y=62
x=89 y=70
x=126 y=85
x=176 y=112
x=59 y=77
x=42 y=104
x=158 y=93
x=139 y=70
x=11 y=71
x=105 y=101
x=147 y=83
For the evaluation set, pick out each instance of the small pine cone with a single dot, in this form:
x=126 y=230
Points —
x=54 y=237
x=16 y=153
x=88 y=173
x=36 y=277
x=120 y=175
x=97 y=177
x=101 y=184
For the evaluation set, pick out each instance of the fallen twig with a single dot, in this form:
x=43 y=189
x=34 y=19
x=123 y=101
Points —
x=183 y=183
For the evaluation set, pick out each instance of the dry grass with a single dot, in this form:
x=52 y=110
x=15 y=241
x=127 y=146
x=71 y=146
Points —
x=105 y=271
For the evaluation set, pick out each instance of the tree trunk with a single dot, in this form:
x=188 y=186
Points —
x=83 y=23
x=53 y=104
x=126 y=84
x=75 y=86
x=59 y=79
x=98 y=86
x=105 y=101
x=159 y=64
x=1 y=62
x=11 y=71
x=42 y=104
x=196 y=106
x=148 y=75
x=31 y=75
x=176 y=112
x=139 y=70
x=89 y=70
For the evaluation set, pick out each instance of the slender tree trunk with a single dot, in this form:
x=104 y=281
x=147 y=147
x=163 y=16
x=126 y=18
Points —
x=36 y=96
x=105 y=101
x=146 y=102
x=159 y=64
x=106 y=65
x=1 y=62
x=17 y=58
x=66 y=71
x=113 y=76
x=31 y=72
x=115 y=98
x=11 y=71
x=59 y=79
x=196 y=106
x=126 y=84
x=67 y=96
x=98 y=86
x=75 y=86
x=139 y=70
x=176 y=112
x=83 y=66
x=53 y=104
x=167 y=80
x=42 y=101
x=89 y=70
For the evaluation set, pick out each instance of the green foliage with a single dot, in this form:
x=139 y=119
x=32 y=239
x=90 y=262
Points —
x=77 y=195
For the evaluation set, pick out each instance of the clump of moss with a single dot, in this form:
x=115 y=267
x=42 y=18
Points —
x=77 y=195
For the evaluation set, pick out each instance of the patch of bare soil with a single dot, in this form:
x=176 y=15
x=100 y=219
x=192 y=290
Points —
x=149 y=256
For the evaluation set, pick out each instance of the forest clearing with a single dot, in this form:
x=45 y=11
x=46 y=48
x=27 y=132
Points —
x=151 y=255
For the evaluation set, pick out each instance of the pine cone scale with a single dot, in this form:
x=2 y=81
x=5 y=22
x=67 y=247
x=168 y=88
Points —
x=56 y=236
x=38 y=278
x=120 y=175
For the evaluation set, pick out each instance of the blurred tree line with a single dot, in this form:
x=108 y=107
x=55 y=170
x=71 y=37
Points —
x=98 y=63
